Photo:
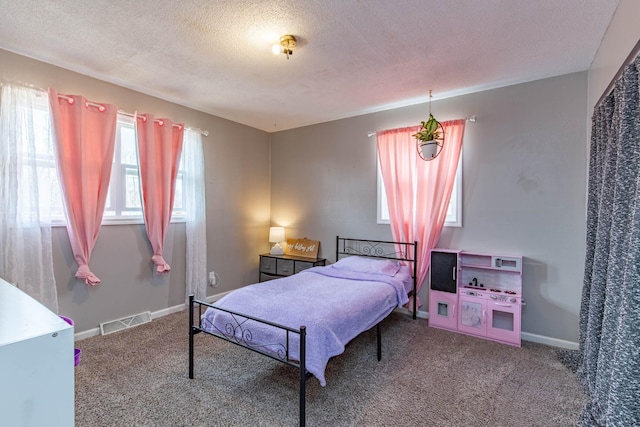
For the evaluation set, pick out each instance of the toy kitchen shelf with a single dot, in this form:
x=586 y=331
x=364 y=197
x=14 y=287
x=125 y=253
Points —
x=476 y=294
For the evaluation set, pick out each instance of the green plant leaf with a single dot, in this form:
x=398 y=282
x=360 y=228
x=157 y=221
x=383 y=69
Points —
x=429 y=130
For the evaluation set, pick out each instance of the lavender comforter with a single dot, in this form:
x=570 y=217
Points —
x=335 y=305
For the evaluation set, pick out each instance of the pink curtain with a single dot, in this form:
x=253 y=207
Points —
x=85 y=135
x=159 y=148
x=418 y=191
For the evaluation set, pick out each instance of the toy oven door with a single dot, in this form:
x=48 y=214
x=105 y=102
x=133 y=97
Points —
x=503 y=321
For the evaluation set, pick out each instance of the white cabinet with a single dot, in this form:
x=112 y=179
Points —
x=36 y=363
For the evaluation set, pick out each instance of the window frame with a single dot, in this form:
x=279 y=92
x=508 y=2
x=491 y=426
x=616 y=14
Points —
x=116 y=201
x=454 y=210
x=118 y=180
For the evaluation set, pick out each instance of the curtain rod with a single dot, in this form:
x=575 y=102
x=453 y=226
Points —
x=124 y=113
x=203 y=132
x=471 y=119
x=635 y=51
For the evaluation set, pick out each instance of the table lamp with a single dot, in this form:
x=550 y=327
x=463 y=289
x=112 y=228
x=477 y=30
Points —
x=276 y=235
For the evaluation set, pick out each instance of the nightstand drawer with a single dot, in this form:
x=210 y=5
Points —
x=268 y=265
x=284 y=267
x=274 y=266
x=302 y=265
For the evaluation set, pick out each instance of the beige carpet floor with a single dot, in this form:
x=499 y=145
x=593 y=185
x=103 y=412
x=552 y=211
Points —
x=427 y=377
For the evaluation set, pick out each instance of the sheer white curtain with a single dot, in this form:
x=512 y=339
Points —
x=196 y=214
x=25 y=241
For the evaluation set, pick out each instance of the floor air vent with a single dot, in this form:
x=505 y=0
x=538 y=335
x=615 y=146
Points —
x=125 y=323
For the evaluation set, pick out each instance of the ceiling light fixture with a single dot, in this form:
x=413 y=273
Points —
x=286 y=45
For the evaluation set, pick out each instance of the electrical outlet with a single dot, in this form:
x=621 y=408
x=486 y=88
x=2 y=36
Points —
x=213 y=278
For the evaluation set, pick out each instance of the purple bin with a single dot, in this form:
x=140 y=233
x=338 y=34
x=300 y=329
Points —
x=77 y=352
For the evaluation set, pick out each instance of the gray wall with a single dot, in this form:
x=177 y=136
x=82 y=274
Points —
x=237 y=192
x=524 y=180
x=622 y=35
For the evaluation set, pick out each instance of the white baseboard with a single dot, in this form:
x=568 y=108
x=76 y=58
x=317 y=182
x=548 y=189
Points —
x=554 y=342
x=526 y=336
x=167 y=311
x=213 y=298
x=79 y=336
x=154 y=315
x=420 y=314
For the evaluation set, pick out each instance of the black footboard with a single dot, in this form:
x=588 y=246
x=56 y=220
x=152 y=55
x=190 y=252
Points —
x=235 y=331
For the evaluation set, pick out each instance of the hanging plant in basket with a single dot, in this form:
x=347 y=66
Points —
x=430 y=137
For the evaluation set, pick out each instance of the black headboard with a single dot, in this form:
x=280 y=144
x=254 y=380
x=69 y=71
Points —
x=401 y=251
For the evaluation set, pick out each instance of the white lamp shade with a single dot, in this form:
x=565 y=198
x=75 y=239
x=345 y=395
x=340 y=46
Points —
x=276 y=234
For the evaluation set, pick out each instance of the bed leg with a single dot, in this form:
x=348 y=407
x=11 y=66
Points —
x=303 y=374
x=379 y=335
x=191 y=336
x=415 y=305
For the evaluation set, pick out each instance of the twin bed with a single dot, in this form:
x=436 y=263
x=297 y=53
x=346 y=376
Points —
x=305 y=319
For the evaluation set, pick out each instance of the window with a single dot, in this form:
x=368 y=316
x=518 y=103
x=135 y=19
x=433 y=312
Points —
x=124 y=203
x=123 y=199
x=454 y=211
x=49 y=195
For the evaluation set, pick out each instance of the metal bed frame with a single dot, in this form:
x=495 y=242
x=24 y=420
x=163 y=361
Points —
x=402 y=251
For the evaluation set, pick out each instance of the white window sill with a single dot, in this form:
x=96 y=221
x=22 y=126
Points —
x=122 y=221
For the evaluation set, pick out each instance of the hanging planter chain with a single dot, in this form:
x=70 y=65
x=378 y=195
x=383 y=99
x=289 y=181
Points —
x=430 y=137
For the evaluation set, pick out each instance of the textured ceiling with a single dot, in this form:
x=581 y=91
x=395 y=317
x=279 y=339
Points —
x=353 y=56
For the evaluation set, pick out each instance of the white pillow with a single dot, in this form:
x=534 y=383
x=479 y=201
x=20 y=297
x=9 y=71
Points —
x=368 y=265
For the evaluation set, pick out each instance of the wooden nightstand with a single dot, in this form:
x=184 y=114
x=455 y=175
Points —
x=275 y=266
